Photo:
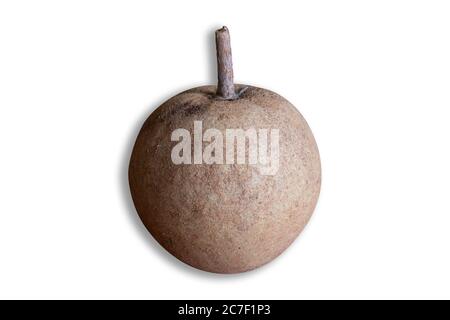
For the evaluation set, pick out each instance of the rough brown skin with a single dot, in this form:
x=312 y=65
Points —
x=225 y=218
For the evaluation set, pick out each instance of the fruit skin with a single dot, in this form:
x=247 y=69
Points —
x=225 y=218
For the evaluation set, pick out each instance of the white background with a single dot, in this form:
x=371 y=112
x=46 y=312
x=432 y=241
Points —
x=78 y=78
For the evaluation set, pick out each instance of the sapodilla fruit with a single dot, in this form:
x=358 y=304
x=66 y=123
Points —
x=208 y=198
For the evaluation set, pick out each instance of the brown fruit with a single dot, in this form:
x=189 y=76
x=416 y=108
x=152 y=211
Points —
x=225 y=218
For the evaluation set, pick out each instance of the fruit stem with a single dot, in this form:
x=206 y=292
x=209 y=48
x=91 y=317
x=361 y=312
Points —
x=225 y=86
